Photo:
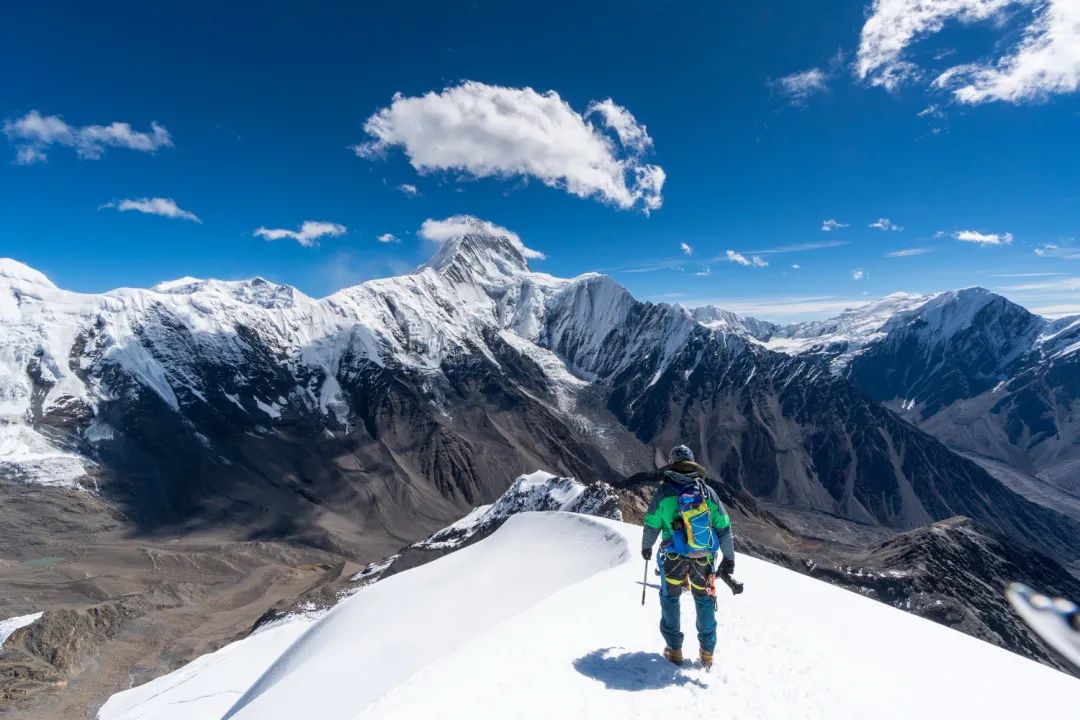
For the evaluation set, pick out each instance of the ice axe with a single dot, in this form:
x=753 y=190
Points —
x=644 y=582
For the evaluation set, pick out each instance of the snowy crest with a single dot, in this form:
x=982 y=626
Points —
x=472 y=248
x=256 y=291
x=536 y=492
x=13 y=270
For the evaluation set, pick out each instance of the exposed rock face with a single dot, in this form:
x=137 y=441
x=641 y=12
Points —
x=403 y=402
x=49 y=650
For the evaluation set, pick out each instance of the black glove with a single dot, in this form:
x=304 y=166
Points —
x=727 y=566
x=646 y=553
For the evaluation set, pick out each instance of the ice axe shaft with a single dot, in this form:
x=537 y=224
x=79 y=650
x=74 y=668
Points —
x=644 y=582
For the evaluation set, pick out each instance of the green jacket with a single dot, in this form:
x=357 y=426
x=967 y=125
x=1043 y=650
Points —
x=662 y=517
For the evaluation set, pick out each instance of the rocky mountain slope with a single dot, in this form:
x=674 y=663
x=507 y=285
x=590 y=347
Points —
x=401 y=403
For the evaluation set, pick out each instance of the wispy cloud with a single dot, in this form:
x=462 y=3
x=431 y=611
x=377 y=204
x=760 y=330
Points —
x=799 y=87
x=165 y=207
x=1030 y=274
x=747 y=255
x=493 y=131
x=908 y=252
x=979 y=238
x=740 y=259
x=886 y=224
x=308 y=235
x=704 y=272
x=408 y=189
x=1071 y=284
x=686 y=249
x=832 y=224
x=1059 y=310
x=388 y=238
x=796 y=266
x=1064 y=250
x=858 y=274
x=34 y=133
x=801 y=247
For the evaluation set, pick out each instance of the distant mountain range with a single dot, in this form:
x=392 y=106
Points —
x=970 y=367
x=390 y=408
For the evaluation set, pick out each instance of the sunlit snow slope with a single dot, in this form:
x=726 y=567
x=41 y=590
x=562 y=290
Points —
x=543 y=619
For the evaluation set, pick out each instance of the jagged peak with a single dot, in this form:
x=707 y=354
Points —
x=14 y=270
x=472 y=246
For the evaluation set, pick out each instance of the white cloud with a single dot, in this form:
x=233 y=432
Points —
x=440 y=231
x=704 y=272
x=308 y=235
x=740 y=259
x=1045 y=60
x=831 y=224
x=408 y=189
x=796 y=266
x=1029 y=274
x=33 y=133
x=1065 y=251
x=802 y=247
x=1057 y=311
x=886 y=224
x=933 y=111
x=493 y=131
x=630 y=132
x=973 y=236
x=1071 y=284
x=799 y=87
x=686 y=249
x=858 y=274
x=895 y=24
x=908 y=252
x=165 y=207
x=388 y=238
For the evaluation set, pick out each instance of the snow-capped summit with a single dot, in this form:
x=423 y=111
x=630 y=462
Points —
x=853 y=328
x=969 y=366
x=718 y=318
x=256 y=291
x=13 y=270
x=471 y=247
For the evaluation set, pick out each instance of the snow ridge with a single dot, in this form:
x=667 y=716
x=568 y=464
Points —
x=542 y=619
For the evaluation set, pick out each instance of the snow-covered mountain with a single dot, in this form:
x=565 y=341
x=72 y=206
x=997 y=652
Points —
x=547 y=623
x=969 y=366
x=390 y=408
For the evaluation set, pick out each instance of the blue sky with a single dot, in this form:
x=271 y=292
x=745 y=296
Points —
x=958 y=122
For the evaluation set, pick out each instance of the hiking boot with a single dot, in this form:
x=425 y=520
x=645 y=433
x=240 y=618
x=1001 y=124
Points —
x=673 y=655
x=706 y=659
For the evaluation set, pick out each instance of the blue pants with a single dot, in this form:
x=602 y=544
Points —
x=673 y=569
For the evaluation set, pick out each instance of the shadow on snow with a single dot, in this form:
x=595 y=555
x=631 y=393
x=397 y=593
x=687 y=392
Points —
x=634 y=671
